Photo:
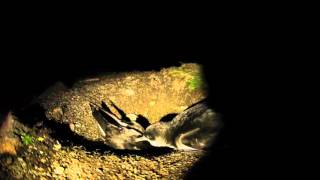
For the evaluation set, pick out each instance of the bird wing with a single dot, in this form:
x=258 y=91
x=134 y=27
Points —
x=183 y=120
x=180 y=140
x=142 y=121
x=196 y=139
x=116 y=135
x=195 y=128
x=123 y=115
x=104 y=118
x=124 y=120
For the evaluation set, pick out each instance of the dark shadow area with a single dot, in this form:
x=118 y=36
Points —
x=142 y=121
x=221 y=161
x=168 y=117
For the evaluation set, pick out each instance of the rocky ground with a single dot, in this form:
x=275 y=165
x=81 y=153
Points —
x=61 y=140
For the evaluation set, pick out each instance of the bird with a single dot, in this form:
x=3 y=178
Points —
x=193 y=129
x=119 y=133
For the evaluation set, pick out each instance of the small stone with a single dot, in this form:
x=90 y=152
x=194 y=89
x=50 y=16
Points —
x=41 y=169
x=71 y=125
x=40 y=139
x=22 y=162
x=8 y=146
x=135 y=170
x=57 y=113
x=57 y=147
x=59 y=170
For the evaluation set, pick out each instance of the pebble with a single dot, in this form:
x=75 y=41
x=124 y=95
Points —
x=22 y=162
x=59 y=170
x=40 y=139
x=71 y=125
x=57 y=147
x=57 y=113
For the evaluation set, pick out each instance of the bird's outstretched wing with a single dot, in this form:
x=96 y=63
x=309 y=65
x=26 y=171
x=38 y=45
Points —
x=106 y=123
x=110 y=117
x=123 y=115
x=117 y=134
x=104 y=116
x=139 y=124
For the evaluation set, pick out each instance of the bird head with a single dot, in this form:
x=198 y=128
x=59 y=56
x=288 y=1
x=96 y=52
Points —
x=155 y=134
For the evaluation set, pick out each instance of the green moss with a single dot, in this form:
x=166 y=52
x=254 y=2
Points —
x=192 y=75
x=195 y=82
x=26 y=139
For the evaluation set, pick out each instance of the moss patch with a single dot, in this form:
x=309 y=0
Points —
x=26 y=139
x=191 y=73
x=195 y=83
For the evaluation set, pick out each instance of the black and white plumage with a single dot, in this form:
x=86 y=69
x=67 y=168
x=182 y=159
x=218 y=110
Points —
x=193 y=129
x=119 y=133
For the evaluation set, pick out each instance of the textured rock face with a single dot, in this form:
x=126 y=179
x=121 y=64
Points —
x=153 y=94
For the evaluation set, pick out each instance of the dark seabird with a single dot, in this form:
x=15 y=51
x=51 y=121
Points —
x=119 y=133
x=193 y=129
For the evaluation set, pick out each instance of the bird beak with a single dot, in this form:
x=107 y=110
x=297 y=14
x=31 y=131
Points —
x=142 y=138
